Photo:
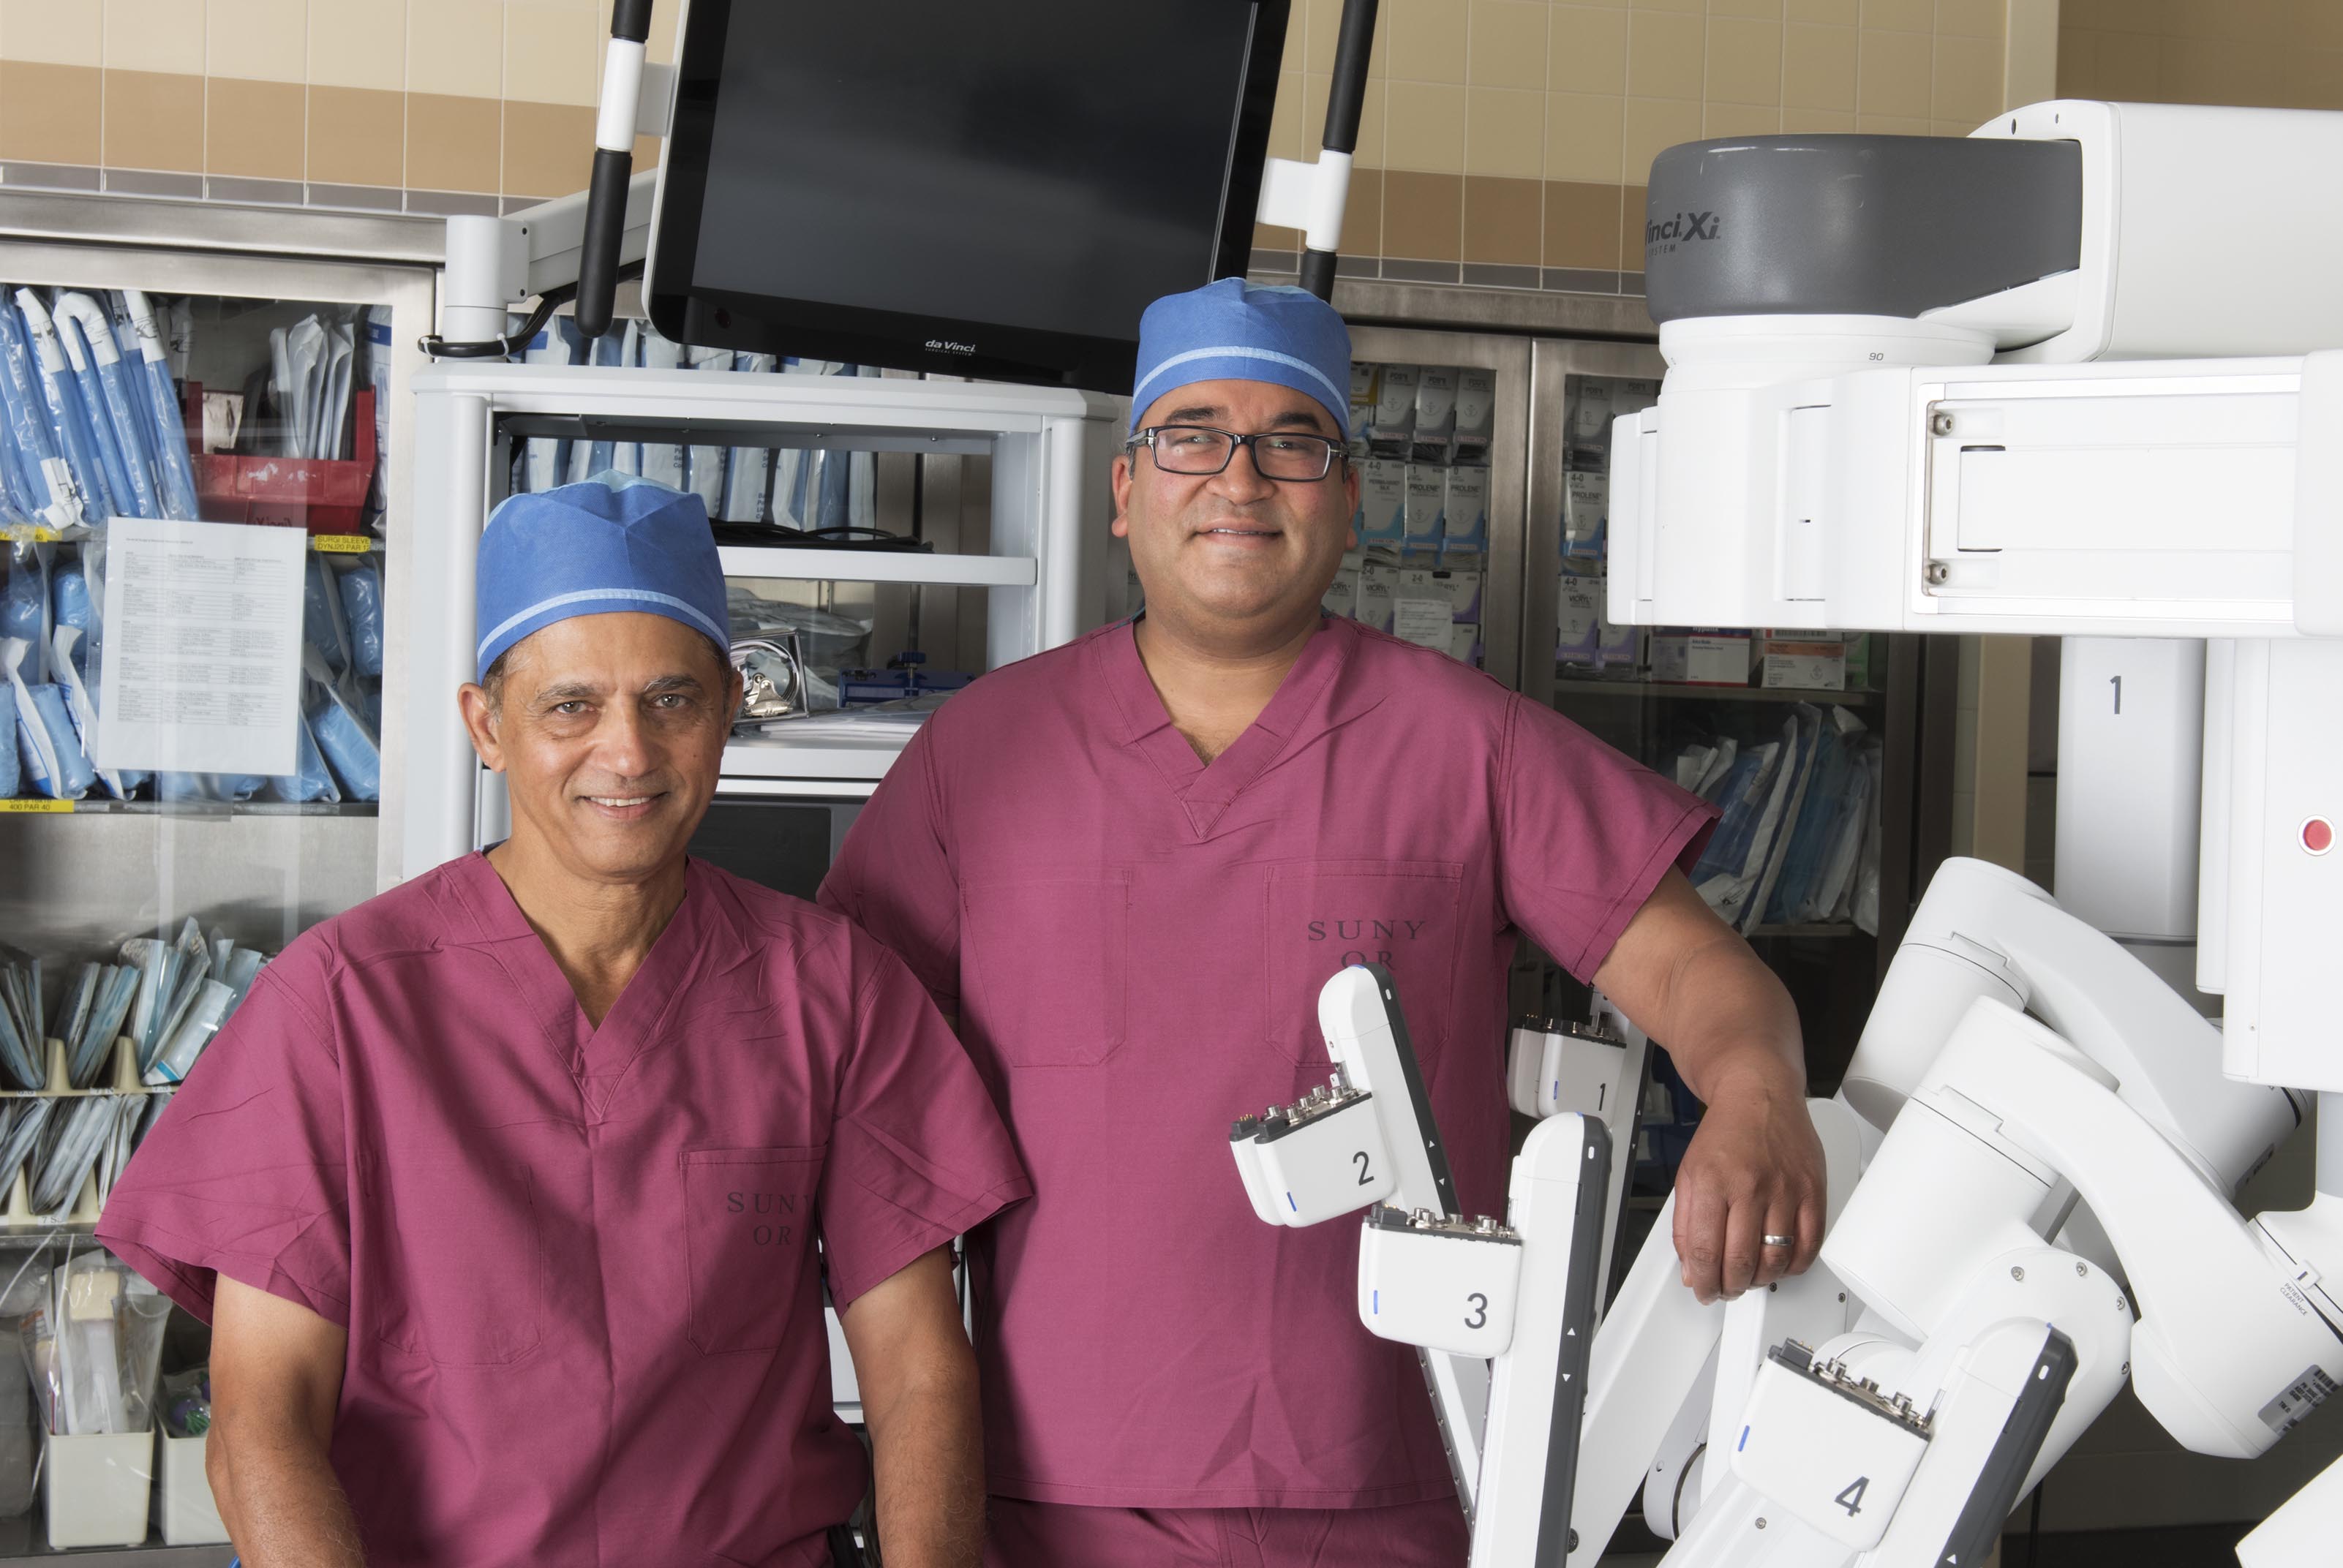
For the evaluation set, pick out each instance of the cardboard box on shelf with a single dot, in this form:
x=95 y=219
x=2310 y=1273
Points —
x=1383 y=502
x=1395 y=420
x=1585 y=506
x=1435 y=437
x=1701 y=658
x=1465 y=643
x=1803 y=662
x=1422 y=611
x=1427 y=507
x=1376 y=598
x=1477 y=413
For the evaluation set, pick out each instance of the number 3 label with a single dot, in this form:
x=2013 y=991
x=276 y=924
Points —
x=1480 y=1318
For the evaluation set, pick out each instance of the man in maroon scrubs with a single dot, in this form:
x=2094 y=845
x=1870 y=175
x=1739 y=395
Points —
x=1129 y=864
x=501 y=1191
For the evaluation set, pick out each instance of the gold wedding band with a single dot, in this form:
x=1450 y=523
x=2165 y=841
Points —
x=1781 y=1241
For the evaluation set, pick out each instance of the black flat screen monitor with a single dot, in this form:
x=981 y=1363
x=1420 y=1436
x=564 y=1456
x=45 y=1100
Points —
x=983 y=187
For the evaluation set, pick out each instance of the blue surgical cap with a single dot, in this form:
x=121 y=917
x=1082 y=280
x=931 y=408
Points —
x=601 y=547
x=1234 y=331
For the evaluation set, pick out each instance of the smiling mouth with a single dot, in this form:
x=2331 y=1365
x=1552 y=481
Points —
x=620 y=802
x=1241 y=533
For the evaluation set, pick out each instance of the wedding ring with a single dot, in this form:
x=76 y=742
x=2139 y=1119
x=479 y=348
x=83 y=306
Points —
x=1780 y=1240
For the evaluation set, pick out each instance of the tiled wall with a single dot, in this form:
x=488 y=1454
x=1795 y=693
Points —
x=426 y=105
x=2271 y=54
x=1506 y=142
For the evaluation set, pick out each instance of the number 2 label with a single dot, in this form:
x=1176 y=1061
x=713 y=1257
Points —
x=1365 y=1178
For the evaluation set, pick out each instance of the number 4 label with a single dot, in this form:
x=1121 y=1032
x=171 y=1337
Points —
x=1851 y=1498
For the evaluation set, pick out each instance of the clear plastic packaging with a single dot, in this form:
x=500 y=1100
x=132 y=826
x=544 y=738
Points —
x=361 y=596
x=93 y=1347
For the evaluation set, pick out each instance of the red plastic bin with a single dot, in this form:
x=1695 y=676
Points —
x=322 y=494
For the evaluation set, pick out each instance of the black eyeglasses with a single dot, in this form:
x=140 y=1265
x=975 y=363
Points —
x=1276 y=454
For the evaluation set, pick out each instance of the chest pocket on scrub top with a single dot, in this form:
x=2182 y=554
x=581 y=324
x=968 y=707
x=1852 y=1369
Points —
x=1322 y=916
x=1044 y=966
x=748 y=1230
x=468 y=1286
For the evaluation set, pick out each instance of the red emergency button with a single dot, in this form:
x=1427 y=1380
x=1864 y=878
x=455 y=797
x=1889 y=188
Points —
x=2318 y=835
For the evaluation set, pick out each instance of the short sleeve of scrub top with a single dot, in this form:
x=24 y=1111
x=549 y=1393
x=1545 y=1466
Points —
x=917 y=1155
x=894 y=878
x=255 y=1145
x=1584 y=835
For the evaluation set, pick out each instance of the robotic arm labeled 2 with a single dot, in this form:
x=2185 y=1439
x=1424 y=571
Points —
x=1519 y=1295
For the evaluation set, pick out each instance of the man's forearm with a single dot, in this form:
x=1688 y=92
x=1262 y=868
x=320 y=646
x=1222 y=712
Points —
x=1730 y=1018
x=283 y=1505
x=928 y=1455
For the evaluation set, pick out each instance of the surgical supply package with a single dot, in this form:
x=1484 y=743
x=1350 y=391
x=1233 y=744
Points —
x=1424 y=509
x=1464 y=533
x=1434 y=439
x=1394 y=426
x=47 y=742
x=1383 y=502
x=1476 y=414
x=1422 y=611
x=361 y=596
x=93 y=1345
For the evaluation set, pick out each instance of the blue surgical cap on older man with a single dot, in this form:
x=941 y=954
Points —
x=1234 y=331
x=610 y=545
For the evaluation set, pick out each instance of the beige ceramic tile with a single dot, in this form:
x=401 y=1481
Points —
x=454 y=142
x=1285 y=117
x=1744 y=62
x=49 y=114
x=1818 y=67
x=1505 y=133
x=1586 y=50
x=1967 y=79
x=2314 y=79
x=1755 y=10
x=1362 y=214
x=1502 y=219
x=1739 y=120
x=1893 y=74
x=1893 y=124
x=1582 y=226
x=551 y=53
x=1428 y=39
x=1325 y=30
x=158 y=36
x=1296 y=54
x=1654 y=125
x=255 y=129
x=352 y=43
x=1900 y=15
x=1847 y=13
x=1801 y=122
x=259 y=41
x=357 y=135
x=1584 y=136
x=2318 y=23
x=549 y=148
x=1691 y=5
x=1972 y=18
x=454 y=48
x=1315 y=88
x=1375 y=118
x=1270 y=237
x=53 y=32
x=154 y=120
x=660 y=44
x=2078 y=64
x=1423 y=215
x=1425 y=128
x=1508 y=46
x=1665 y=52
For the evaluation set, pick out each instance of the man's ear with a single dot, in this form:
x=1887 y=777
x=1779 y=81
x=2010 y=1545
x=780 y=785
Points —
x=481 y=721
x=1121 y=479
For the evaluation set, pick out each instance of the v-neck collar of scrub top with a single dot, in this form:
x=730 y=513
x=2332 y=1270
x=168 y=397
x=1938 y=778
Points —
x=597 y=1059
x=1207 y=789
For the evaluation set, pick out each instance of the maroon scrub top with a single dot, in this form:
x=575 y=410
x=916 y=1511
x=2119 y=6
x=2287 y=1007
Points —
x=577 y=1265
x=1134 y=942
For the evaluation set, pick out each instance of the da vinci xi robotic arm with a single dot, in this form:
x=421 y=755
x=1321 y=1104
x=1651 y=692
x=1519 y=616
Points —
x=2006 y=384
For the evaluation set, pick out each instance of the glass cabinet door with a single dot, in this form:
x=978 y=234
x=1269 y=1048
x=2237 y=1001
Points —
x=201 y=526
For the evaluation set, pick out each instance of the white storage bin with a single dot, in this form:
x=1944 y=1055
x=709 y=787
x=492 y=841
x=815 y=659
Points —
x=184 y=1506
x=95 y=1489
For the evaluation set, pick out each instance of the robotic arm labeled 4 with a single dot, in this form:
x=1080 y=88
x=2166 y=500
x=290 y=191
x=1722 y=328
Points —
x=1503 y=1314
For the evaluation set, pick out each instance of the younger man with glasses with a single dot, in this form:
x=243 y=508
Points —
x=1129 y=864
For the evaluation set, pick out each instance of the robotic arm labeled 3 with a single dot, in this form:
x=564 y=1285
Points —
x=1502 y=1314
